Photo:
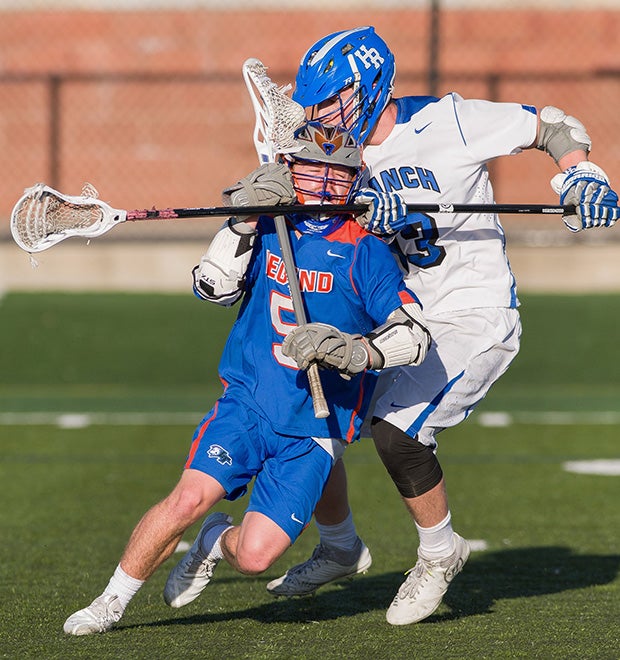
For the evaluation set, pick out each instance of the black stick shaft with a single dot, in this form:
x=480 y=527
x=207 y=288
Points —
x=321 y=409
x=203 y=212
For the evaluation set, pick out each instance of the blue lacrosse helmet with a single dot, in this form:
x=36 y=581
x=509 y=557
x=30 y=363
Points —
x=331 y=171
x=357 y=59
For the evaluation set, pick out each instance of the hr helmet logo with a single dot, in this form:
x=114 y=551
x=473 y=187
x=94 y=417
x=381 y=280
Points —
x=219 y=454
x=370 y=57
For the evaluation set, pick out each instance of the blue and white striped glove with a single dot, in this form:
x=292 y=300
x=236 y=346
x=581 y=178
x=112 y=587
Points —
x=386 y=214
x=586 y=187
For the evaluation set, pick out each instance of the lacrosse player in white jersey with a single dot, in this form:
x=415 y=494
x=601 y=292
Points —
x=432 y=150
x=361 y=319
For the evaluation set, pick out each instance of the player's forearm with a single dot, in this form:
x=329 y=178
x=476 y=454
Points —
x=572 y=158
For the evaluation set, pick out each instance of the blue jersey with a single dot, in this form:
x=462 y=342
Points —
x=348 y=279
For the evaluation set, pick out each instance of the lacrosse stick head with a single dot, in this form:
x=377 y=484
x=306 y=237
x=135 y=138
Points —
x=354 y=70
x=277 y=115
x=43 y=217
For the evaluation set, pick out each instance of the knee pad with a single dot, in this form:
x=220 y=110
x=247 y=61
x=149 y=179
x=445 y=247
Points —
x=414 y=468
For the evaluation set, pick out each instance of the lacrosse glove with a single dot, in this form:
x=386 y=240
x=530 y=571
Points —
x=386 y=213
x=402 y=339
x=267 y=185
x=328 y=347
x=586 y=187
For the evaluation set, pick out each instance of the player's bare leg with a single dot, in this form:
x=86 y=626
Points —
x=340 y=553
x=158 y=533
x=194 y=571
x=430 y=508
x=152 y=541
x=255 y=545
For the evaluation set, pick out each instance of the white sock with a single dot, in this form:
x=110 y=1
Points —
x=211 y=541
x=123 y=586
x=437 y=542
x=341 y=536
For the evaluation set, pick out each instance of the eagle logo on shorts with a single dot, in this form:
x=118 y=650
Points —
x=219 y=454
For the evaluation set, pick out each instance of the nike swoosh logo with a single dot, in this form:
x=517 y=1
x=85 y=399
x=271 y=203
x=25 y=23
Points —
x=333 y=254
x=417 y=131
x=396 y=405
x=301 y=522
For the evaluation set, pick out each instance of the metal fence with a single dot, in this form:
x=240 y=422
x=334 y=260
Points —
x=150 y=106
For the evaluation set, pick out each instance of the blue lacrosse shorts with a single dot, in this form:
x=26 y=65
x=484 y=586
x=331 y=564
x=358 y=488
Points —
x=233 y=444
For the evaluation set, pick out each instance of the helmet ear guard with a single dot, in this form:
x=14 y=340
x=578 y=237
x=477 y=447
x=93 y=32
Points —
x=357 y=59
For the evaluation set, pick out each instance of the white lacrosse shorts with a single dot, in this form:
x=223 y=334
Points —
x=470 y=350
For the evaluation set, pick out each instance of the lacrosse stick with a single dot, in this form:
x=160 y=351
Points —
x=43 y=216
x=277 y=117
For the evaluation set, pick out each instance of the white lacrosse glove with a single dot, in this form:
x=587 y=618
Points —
x=586 y=187
x=267 y=185
x=328 y=347
x=386 y=214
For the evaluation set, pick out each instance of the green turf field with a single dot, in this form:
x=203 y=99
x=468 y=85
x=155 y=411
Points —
x=547 y=586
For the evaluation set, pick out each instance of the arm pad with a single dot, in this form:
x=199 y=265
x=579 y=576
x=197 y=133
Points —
x=402 y=340
x=220 y=276
x=560 y=134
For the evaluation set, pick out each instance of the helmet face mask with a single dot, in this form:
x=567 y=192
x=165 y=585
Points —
x=343 y=109
x=326 y=170
x=322 y=183
x=350 y=72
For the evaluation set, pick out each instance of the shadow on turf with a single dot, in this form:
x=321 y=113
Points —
x=488 y=577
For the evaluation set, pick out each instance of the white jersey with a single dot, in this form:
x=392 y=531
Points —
x=436 y=153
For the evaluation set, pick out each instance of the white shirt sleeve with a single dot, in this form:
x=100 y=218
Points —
x=490 y=129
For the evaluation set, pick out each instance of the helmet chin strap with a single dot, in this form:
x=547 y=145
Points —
x=317 y=225
x=356 y=90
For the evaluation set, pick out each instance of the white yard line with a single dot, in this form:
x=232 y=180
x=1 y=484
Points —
x=72 y=420
x=547 y=418
x=602 y=466
x=82 y=420
x=487 y=419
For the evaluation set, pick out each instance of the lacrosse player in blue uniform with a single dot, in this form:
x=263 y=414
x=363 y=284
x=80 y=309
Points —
x=362 y=318
x=432 y=150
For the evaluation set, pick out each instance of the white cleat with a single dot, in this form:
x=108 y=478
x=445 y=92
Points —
x=193 y=573
x=98 y=617
x=421 y=593
x=324 y=566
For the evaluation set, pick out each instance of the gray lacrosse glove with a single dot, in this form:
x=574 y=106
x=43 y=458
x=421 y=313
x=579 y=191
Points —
x=267 y=185
x=328 y=347
x=402 y=340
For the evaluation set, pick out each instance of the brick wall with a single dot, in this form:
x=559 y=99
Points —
x=179 y=141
